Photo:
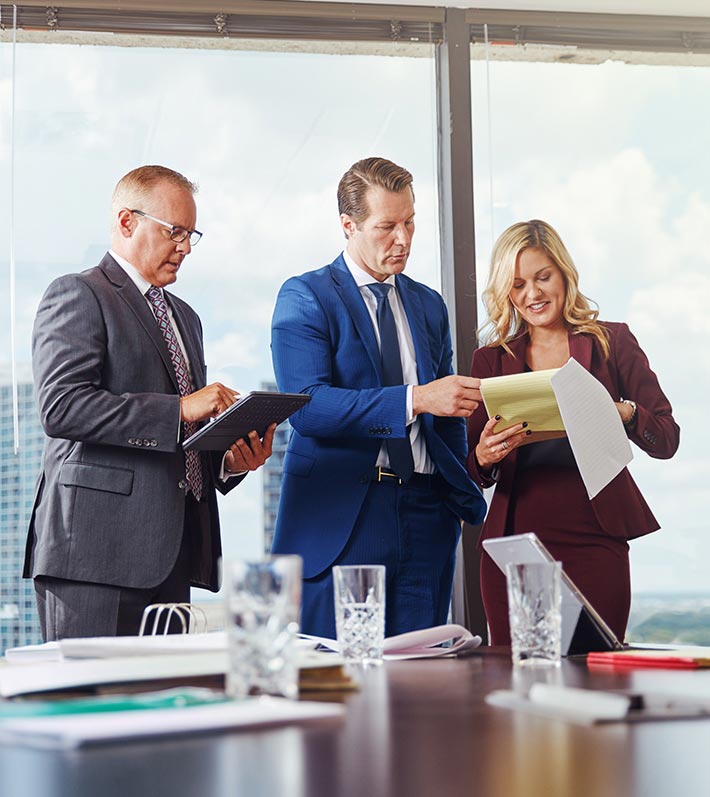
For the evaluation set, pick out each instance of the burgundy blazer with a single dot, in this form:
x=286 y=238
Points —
x=620 y=508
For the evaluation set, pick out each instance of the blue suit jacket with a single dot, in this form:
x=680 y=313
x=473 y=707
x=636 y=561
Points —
x=323 y=343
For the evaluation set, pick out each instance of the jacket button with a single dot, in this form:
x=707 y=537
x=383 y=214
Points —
x=138 y=442
x=154 y=443
x=131 y=441
x=182 y=484
x=146 y=442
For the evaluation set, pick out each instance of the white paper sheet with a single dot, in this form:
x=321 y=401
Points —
x=20 y=679
x=594 y=428
x=74 y=730
x=107 y=647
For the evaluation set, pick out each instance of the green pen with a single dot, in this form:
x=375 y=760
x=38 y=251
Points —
x=166 y=698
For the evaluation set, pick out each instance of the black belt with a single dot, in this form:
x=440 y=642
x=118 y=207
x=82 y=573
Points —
x=431 y=481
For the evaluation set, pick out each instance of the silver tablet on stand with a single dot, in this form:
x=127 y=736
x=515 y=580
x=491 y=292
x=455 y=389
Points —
x=583 y=630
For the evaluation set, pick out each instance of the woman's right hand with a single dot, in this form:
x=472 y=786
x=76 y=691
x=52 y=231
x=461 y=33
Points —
x=494 y=446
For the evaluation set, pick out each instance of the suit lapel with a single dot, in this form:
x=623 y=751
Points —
x=355 y=305
x=129 y=293
x=417 y=325
x=580 y=348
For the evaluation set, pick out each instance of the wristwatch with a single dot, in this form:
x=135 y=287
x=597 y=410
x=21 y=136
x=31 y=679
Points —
x=631 y=404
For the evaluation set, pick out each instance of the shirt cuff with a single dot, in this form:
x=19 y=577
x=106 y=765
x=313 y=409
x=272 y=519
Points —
x=224 y=474
x=410 y=401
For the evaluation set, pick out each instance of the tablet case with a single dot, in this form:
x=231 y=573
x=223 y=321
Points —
x=583 y=630
x=256 y=410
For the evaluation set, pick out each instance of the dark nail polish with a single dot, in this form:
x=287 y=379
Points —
x=529 y=431
x=497 y=417
x=525 y=423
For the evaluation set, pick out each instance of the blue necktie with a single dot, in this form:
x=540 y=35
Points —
x=399 y=449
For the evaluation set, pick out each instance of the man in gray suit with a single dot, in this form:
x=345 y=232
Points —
x=123 y=517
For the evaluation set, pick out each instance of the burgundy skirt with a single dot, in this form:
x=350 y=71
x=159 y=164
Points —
x=552 y=502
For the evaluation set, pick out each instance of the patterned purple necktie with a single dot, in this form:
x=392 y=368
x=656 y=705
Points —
x=193 y=466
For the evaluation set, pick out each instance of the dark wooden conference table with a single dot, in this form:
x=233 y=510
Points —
x=415 y=728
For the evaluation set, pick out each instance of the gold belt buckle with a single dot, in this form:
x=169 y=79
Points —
x=382 y=472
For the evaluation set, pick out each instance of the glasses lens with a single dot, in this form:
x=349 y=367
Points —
x=195 y=237
x=178 y=234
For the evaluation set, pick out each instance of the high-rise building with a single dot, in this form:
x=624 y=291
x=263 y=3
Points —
x=272 y=472
x=19 y=623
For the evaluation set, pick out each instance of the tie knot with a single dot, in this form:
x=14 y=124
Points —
x=380 y=290
x=155 y=297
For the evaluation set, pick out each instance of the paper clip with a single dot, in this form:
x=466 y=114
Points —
x=193 y=619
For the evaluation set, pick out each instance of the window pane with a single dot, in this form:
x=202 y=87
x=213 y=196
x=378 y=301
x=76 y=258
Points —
x=613 y=156
x=267 y=136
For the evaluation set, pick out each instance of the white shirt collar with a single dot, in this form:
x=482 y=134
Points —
x=361 y=277
x=140 y=281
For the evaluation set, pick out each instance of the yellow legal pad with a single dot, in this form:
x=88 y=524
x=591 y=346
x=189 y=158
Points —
x=524 y=397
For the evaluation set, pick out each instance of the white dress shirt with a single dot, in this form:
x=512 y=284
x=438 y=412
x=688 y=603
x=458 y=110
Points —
x=422 y=461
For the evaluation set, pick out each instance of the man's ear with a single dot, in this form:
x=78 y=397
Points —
x=348 y=224
x=126 y=223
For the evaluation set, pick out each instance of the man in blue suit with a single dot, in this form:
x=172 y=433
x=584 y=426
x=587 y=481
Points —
x=375 y=468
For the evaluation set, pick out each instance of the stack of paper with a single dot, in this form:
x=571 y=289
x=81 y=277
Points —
x=74 y=663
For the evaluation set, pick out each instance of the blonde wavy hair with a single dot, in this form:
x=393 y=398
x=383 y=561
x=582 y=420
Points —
x=504 y=322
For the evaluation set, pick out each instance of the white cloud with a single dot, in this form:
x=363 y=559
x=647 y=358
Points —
x=231 y=349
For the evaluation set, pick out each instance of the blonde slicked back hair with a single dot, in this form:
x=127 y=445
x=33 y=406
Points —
x=504 y=321
x=133 y=189
x=365 y=174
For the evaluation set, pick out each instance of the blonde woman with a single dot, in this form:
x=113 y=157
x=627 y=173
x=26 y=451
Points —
x=538 y=319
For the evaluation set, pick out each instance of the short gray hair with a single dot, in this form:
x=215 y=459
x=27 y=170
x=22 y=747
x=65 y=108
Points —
x=133 y=188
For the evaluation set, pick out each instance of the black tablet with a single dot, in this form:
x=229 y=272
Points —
x=256 y=410
x=583 y=629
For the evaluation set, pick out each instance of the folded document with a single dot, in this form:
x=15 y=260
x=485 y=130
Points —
x=440 y=640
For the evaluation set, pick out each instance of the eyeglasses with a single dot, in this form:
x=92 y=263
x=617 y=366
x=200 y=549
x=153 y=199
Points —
x=177 y=234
